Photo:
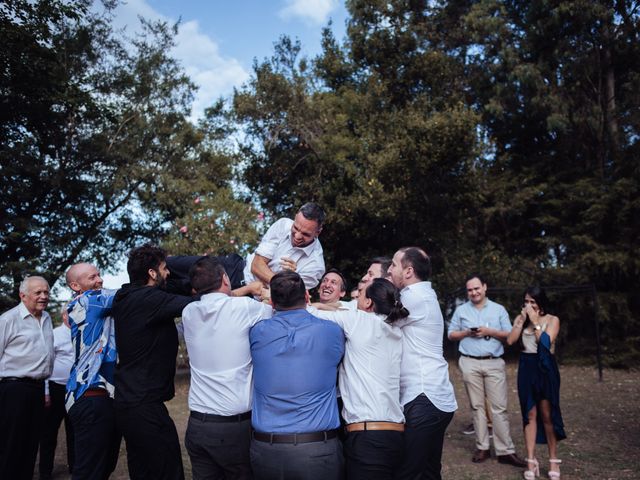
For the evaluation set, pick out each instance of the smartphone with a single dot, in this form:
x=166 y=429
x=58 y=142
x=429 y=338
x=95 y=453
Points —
x=474 y=329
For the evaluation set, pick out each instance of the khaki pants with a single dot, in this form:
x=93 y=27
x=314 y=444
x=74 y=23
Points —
x=488 y=378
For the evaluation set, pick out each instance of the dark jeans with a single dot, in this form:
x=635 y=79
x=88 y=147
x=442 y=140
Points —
x=219 y=450
x=423 y=439
x=153 y=448
x=21 y=412
x=53 y=416
x=303 y=461
x=373 y=454
x=96 y=439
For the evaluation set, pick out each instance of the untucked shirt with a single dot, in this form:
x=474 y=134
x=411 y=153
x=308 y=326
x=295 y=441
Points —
x=492 y=315
x=370 y=371
x=26 y=344
x=295 y=365
x=216 y=331
x=62 y=355
x=276 y=244
x=94 y=345
x=424 y=368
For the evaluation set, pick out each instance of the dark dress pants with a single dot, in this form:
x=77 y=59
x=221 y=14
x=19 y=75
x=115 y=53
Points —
x=21 y=412
x=153 y=448
x=219 y=450
x=423 y=440
x=96 y=438
x=373 y=454
x=54 y=414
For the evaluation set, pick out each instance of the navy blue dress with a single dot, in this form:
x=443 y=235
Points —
x=539 y=379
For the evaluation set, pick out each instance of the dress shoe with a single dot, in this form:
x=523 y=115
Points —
x=512 y=459
x=480 y=456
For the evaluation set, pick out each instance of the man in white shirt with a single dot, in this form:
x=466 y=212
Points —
x=290 y=245
x=216 y=332
x=425 y=390
x=26 y=359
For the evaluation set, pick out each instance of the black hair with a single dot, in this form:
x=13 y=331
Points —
x=141 y=260
x=540 y=296
x=337 y=272
x=386 y=300
x=313 y=211
x=287 y=291
x=385 y=263
x=477 y=275
x=419 y=260
x=206 y=275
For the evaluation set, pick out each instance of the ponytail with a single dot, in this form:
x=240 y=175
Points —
x=386 y=300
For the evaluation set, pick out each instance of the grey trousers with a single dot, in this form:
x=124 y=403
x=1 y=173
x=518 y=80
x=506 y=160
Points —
x=303 y=461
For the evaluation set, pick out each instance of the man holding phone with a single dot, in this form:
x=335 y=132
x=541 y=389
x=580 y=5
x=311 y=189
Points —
x=481 y=326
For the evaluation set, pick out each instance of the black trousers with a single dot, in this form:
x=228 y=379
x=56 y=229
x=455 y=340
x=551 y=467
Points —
x=153 y=448
x=21 y=412
x=53 y=416
x=219 y=450
x=373 y=454
x=423 y=439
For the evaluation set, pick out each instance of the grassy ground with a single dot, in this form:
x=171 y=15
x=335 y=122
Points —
x=602 y=421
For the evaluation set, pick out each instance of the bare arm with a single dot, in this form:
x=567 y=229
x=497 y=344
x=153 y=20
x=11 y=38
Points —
x=516 y=331
x=253 y=288
x=260 y=269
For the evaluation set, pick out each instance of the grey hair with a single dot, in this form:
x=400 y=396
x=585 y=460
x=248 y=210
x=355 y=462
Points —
x=24 y=284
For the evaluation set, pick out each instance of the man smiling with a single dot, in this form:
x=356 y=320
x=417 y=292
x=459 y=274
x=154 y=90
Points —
x=333 y=287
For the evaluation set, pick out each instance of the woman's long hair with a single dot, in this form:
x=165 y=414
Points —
x=386 y=300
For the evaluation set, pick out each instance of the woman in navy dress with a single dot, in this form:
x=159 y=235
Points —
x=538 y=380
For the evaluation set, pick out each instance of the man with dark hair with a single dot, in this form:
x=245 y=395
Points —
x=147 y=342
x=291 y=245
x=425 y=390
x=216 y=332
x=481 y=326
x=295 y=416
x=377 y=269
x=333 y=287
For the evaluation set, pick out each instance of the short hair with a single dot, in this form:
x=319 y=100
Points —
x=418 y=260
x=477 y=275
x=24 y=284
x=206 y=275
x=343 y=288
x=385 y=263
x=143 y=258
x=313 y=211
x=287 y=290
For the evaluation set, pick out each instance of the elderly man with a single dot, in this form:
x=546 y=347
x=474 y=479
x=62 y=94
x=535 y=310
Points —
x=26 y=359
x=295 y=415
x=481 y=326
x=90 y=388
x=425 y=390
x=216 y=332
x=290 y=245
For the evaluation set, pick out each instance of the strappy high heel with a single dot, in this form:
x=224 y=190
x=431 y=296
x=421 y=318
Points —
x=531 y=473
x=554 y=475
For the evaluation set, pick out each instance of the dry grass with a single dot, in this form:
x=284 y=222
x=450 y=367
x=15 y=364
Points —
x=602 y=420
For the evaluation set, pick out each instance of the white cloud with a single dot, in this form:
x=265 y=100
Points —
x=213 y=73
x=311 y=11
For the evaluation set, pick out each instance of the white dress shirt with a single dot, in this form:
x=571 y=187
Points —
x=26 y=344
x=276 y=243
x=63 y=355
x=424 y=369
x=216 y=331
x=369 y=376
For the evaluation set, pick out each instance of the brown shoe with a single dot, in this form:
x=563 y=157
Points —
x=480 y=456
x=512 y=459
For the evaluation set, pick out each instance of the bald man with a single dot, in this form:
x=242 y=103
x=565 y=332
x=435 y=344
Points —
x=26 y=359
x=90 y=389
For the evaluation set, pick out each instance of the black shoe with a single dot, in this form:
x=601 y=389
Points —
x=512 y=459
x=480 y=456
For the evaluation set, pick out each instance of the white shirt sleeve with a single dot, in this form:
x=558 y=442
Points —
x=273 y=237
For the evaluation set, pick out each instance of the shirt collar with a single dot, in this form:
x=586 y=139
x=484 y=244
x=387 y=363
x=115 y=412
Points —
x=308 y=250
x=416 y=286
x=24 y=313
x=213 y=296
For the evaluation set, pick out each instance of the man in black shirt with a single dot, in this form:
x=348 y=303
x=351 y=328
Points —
x=147 y=343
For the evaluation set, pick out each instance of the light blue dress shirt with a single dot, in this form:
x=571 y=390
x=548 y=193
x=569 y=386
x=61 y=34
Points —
x=492 y=315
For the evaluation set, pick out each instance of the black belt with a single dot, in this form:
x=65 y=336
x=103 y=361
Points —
x=210 y=417
x=21 y=379
x=295 y=437
x=486 y=357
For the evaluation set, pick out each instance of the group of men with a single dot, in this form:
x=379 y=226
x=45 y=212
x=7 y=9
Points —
x=262 y=398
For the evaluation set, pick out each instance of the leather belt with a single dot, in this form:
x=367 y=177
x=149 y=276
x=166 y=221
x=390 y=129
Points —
x=210 y=417
x=95 y=392
x=22 y=379
x=486 y=357
x=295 y=437
x=364 y=426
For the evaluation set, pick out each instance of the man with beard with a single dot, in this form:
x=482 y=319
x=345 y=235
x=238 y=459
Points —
x=147 y=342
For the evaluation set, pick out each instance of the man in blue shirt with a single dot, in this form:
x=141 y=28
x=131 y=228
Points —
x=295 y=363
x=481 y=326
